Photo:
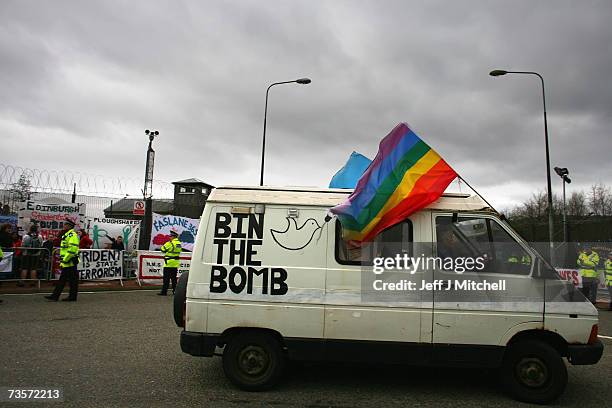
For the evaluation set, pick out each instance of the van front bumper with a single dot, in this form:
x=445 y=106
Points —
x=199 y=344
x=584 y=354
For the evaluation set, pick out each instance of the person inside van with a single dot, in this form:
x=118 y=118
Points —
x=449 y=245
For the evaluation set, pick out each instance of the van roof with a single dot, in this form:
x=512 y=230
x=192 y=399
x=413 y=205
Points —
x=325 y=197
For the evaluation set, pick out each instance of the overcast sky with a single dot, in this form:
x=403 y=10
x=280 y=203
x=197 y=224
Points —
x=82 y=80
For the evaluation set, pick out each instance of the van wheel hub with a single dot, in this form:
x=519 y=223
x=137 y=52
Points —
x=532 y=372
x=253 y=360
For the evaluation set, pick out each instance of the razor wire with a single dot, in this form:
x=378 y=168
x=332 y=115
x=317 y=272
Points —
x=18 y=184
x=65 y=182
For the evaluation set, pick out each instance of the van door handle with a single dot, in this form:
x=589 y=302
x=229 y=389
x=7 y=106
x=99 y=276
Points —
x=443 y=325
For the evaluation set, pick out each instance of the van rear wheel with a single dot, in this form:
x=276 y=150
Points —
x=253 y=361
x=180 y=297
x=533 y=371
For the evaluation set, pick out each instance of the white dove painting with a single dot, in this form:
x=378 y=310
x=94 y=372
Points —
x=293 y=237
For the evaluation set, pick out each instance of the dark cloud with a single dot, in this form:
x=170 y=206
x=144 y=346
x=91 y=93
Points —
x=82 y=80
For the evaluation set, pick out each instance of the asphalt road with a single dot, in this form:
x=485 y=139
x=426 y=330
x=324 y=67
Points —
x=122 y=349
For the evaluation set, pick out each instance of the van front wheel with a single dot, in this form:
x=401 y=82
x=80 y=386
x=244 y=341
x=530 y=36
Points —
x=533 y=371
x=253 y=361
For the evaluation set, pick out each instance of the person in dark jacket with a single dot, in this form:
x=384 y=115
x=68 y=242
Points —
x=30 y=261
x=117 y=244
x=6 y=236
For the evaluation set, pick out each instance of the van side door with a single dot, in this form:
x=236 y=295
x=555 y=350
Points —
x=362 y=325
x=485 y=290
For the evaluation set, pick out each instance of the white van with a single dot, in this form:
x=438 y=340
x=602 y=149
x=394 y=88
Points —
x=271 y=279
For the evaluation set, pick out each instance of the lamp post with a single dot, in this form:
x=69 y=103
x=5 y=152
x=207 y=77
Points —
x=499 y=72
x=147 y=191
x=302 y=81
x=563 y=172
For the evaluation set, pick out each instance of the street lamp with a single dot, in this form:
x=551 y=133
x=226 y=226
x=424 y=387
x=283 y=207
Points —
x=563 y=172
x=500 y=72
x=302 y=81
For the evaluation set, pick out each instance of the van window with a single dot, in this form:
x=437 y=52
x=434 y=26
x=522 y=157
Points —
x=393 y=240
x=481 y=237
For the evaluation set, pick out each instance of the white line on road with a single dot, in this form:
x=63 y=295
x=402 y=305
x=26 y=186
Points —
x=80 y=292
x=605 y=337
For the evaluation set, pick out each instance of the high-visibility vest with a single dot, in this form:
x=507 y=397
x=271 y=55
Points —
x=588 y=264
x=513 y=259
x=69 y=249
x=526 y=260
x=609 y=272
x=172 y=250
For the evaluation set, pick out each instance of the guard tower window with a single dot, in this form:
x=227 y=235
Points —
x=187 y=190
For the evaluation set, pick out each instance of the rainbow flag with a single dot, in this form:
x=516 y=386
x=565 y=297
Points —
x=405 y=176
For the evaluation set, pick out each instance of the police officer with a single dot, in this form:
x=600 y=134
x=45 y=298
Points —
x=608 y=267
x=513 y=259
x=588 y=261
x=526 y=259
x=172 y=251
x=69 y=258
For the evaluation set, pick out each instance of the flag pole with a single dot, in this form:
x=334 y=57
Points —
x=478 y=194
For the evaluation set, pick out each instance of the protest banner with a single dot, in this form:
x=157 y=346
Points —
x=571 y=275
x=100 y=264
x=48 y=217
x=101 y=228
x=6 y=265
x=94 y=264
x=151 y=266
x=187 y=229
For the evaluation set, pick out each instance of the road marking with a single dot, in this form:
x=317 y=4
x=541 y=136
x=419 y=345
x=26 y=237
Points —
x=80 y=292
x=605 y=337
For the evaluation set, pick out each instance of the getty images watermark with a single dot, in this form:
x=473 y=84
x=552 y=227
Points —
x=477 y=269
x=422 y=272
x=404 y=263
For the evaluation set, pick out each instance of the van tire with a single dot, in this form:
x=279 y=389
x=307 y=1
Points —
x=533 y=371
x=180 y=297
x=253 y=361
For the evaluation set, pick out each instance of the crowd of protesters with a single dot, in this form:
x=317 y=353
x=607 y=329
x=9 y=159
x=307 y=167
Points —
x=31 y=252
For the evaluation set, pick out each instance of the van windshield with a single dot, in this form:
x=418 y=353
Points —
x=481 y=237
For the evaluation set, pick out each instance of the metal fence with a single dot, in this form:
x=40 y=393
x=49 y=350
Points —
x=34 y=261
x=35 y=265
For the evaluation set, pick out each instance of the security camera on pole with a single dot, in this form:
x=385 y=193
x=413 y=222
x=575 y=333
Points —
x=563 y=172
x=147 y=192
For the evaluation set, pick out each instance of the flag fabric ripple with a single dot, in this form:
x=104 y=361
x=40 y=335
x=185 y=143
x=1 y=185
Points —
x=405 y=176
